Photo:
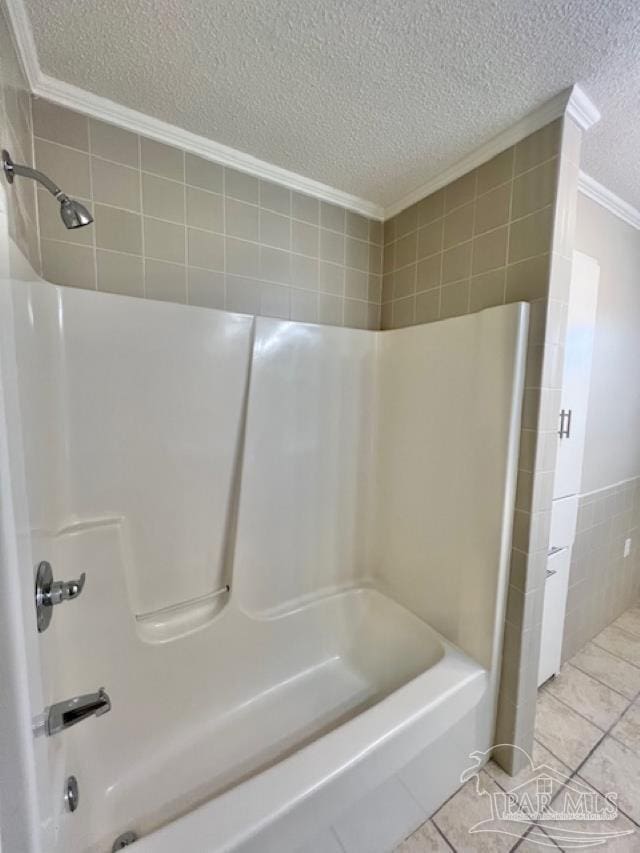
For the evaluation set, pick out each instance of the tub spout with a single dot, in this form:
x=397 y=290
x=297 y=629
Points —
x=65 y=714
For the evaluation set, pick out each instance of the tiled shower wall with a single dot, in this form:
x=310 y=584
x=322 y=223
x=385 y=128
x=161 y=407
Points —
x=602 y=581
x=170 y=225
x=16 y=137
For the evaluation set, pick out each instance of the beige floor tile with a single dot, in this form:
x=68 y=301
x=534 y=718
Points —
x=618 y=674
x=572 y=834
x=620 y=643
x=468 y=808
x=539 y=756
x=630 y=621
x=589 y=697
x=615 y=768
x=537 y=841
x=566 y=734
x=628 y=729
x=426 y=839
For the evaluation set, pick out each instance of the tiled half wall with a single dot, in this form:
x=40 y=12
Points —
x=603 y=582
x=170 y=225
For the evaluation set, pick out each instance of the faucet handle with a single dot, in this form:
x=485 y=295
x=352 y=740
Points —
x=50 y=592
x=68 y=590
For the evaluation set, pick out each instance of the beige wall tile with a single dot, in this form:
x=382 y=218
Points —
x=67 y=168
x=356 y=254
x=205 y=288
x=119 y=273
x=162 y=199
x=538 y=147
x=430 y=238
x=492 y=209
x=428 y=306
x=59 y=124
x=460 y=192
x=429 y=272
x=386 y=316
x=454 y=299
x=430 y=208
x=330 y=309
x=404 y=281
x=165 y=281
x=458 y=226
x=496 y=171
x=64 y=263
x=162 y=159
x=241 y=186
x=242 y=295
x=243 y=259
x=204 y=174
x=487 y=290
x=534 y=189
x=275 y=229
x=305 y=208
x=387 y=287
x=356 y=284
x=274 y=301
x=531 y=236
x=204 y=249
x=331 y=278
x=404 y=312
x=406 y=250
x=490 y=250
x=113 y=143
x=275 y=197
x=375 y=259
x=241 y=220
x=407 y=221
x=456 y=263
x=331 y=246
x=389 y=230
x=357 y=226
x=165 y=241
x=528 y=280
x=304 y=306
x=304 y=272
x=205 y=210
x=373 y=317
x=305 y=238
x=332 y=216
x=115 y=185
x=374 y=288
x=118 y=229
x=389 y=258
x=355 y=314
x=375 y=232
x=275 y=265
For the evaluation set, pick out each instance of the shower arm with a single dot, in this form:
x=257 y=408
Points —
x=12 y=169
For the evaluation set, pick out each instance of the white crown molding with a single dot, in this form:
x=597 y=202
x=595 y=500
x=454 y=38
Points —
x=582 y=109
x=610 y=201
x=571 y=102
x=104 y=109
x=23 y=35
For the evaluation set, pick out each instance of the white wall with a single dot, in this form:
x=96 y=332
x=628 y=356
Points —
x=612 y=444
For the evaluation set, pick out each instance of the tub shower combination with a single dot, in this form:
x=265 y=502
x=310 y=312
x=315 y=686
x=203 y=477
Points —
x=285 y=550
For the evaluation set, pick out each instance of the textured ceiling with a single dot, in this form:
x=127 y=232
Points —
x=373 y=97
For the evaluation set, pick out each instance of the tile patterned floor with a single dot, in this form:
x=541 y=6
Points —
x=587 y=729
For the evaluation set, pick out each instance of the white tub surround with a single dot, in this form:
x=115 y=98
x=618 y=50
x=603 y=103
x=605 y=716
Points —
x=296 y=542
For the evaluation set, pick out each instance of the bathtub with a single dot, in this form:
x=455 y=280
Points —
x=296 y=542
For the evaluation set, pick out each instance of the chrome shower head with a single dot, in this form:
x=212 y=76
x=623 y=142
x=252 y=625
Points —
x=72 y=213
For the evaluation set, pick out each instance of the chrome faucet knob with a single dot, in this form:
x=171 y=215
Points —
x=50 y=592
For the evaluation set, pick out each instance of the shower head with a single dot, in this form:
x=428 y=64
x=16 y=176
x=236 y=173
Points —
x=72 y=213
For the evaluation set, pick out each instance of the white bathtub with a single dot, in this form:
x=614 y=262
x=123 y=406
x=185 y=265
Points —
x=353 y=490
